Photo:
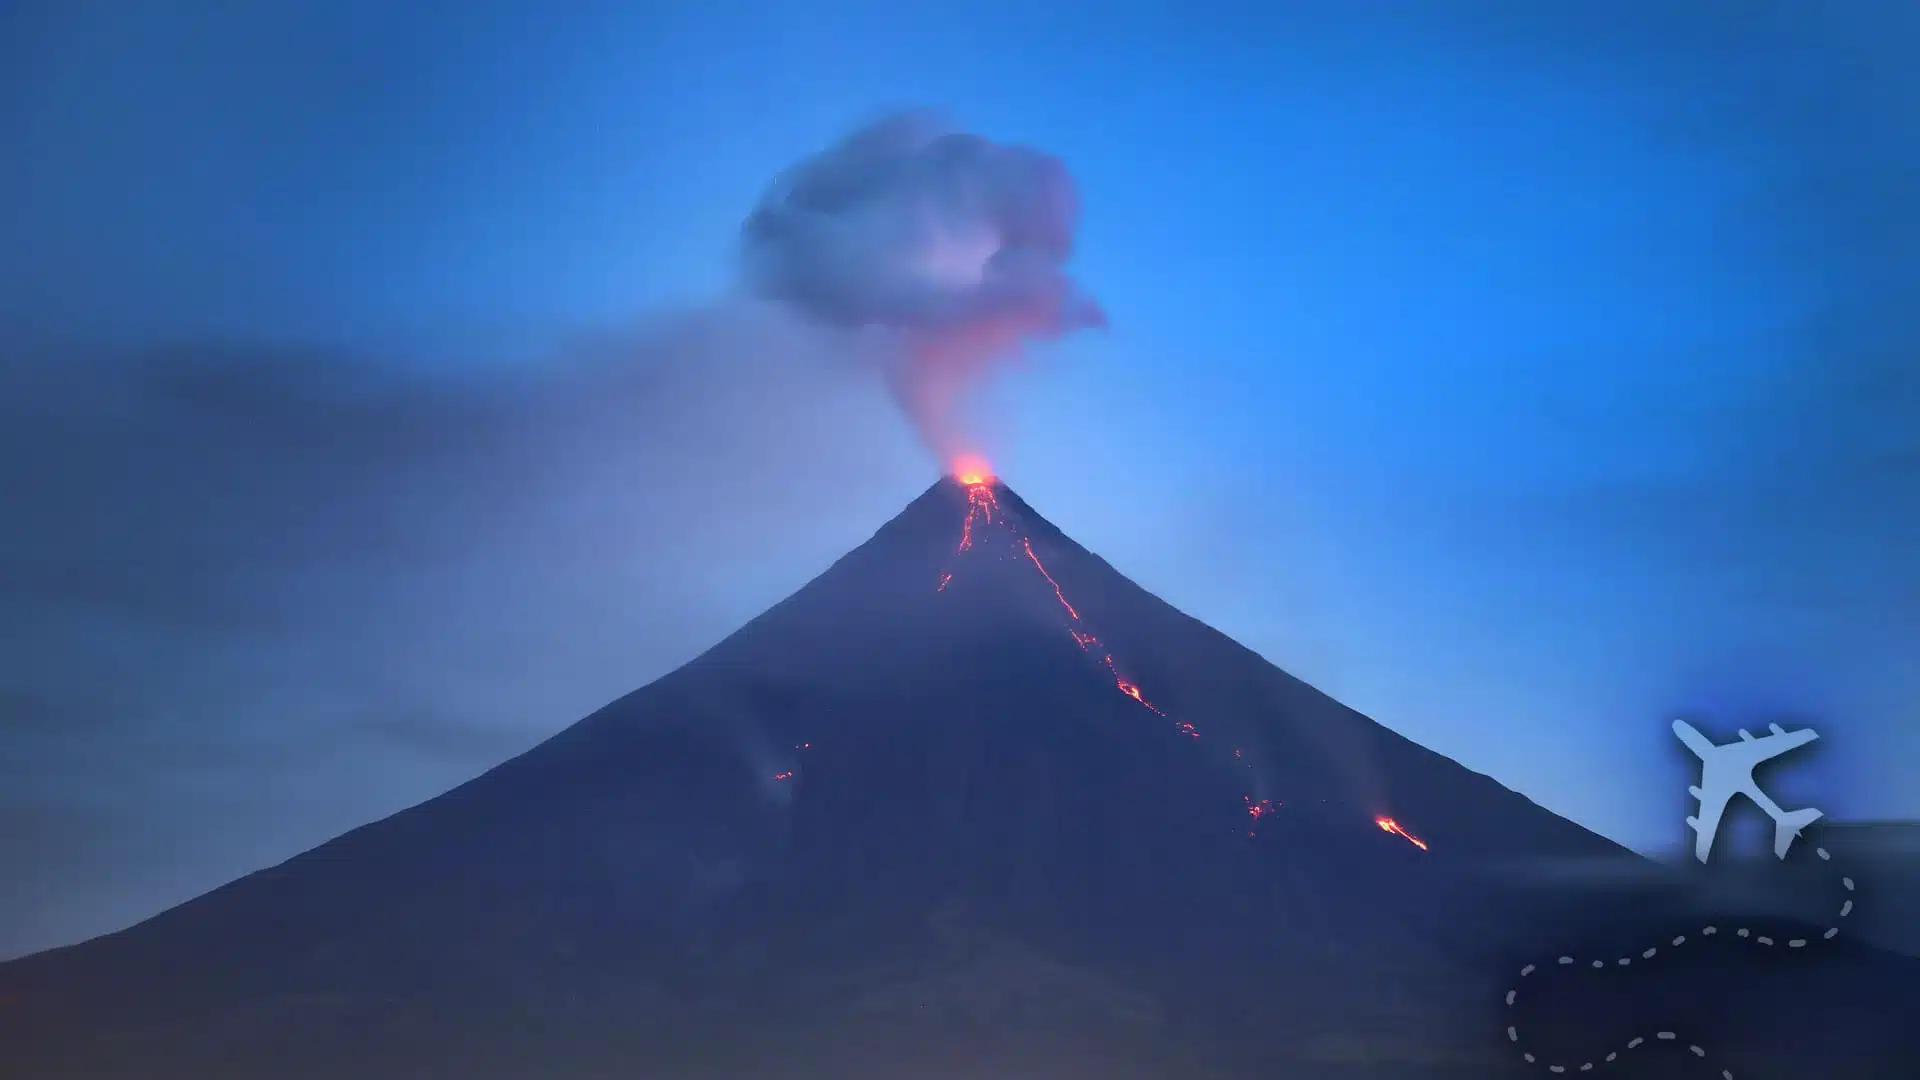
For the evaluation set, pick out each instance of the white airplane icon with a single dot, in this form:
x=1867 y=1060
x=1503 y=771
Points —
x=1727 y=770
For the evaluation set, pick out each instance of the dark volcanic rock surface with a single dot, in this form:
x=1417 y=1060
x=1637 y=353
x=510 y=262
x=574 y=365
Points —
x=894 y=830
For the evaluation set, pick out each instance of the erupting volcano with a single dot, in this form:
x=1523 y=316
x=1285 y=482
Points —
x=970 y=803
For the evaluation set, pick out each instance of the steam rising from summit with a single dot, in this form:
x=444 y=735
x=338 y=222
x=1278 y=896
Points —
x=949 y=248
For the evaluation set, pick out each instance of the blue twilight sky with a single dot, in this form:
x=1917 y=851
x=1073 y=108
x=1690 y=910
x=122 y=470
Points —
x=1520 y=374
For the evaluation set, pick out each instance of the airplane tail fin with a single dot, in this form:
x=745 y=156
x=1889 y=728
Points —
x=1788 y=827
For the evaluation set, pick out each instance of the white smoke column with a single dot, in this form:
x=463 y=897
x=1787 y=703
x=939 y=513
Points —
x=949 y=248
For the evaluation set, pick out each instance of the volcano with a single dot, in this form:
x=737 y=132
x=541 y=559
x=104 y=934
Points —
x=969 y=804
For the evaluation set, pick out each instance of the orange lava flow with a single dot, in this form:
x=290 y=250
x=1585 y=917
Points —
x=1087 y=641
x=1258 y=810
x=1132 y=691
x=1387 y=824
x=1027 y=546
x=983 y=510
x=980 y=507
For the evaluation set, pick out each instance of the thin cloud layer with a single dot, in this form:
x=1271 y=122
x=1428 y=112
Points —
x=232 y=576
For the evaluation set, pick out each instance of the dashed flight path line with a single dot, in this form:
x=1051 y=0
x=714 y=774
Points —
x=1743 y=933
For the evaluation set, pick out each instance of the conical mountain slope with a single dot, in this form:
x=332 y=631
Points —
x=968 y=804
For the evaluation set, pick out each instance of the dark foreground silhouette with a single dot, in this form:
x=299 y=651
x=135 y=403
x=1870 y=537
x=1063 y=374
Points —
x=944 y=814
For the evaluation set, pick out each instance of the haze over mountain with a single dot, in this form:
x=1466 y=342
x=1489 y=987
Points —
x=968 y=804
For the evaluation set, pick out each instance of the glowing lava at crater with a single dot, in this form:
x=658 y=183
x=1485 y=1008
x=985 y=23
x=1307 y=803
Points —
x=981 y=508
x=973 y=472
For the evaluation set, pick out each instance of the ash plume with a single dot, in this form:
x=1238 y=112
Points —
x=946 y=248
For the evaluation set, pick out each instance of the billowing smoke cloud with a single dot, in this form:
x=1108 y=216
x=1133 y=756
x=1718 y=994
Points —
x=948 y=249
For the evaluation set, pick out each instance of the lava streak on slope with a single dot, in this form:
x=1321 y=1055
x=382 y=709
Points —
x=1258 y=810
x=1387 y=824
x=1027 y=546
x=983 y=509
x=980 y=507
x=793 y=772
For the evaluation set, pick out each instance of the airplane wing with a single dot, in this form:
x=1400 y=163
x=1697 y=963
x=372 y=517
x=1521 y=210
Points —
x=1750 y=751
x=1707 y=822
x=1782 y=741
x=1695 y=741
